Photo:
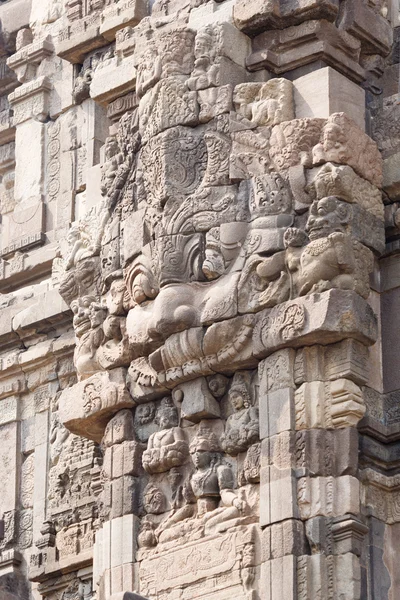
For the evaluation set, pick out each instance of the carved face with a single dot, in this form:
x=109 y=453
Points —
x=217 y=385
x=237 y=400
x=214 y=265
x=145 y=413
x=333 y=136
x=82 y=314
x=111 y=148
x=202 y=45
x=96 y=314
x=326 y=216
x=201 y=458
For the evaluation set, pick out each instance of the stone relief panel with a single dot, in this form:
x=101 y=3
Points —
x=227 y=229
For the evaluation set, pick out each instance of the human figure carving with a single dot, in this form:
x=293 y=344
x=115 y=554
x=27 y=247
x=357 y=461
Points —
x=330 y=259
x=242 y=426
x=206 y=71
x=80 y=246
x=166 y=448
x=149 y=70
x=213 y=481
x=88 y=319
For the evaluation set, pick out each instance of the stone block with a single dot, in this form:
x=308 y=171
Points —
x=125 y=14
x=113 y=80
x=9 y=410
x=75 y=40
x=348 y=585
x=287 y=538
x=31 y=100
x=326 y=91
x=221 y=338
x=277 y=371
x=356 y=148
x=47 y=309
x=348 y=534
x=278 y=578
x=134 y=235
x=391 y=178
x=211 y=13
x=119 y=429
x=124 y=496
x=311 y=404
x=348 y=359
x=277 y=495
x=86 y=407
x=371 y=28
x=322 y=452
x=24 y=228
x=279 y=450
x=253 y=16
x=197 y=401
x=121 y=105
x=13 y=18
x=276 y=412
x=319 y=318
x=309 y=364
x=328 y=496
x=8 y=458
x=347 y=404
x=123 y=459
x=343 y=181
x=282 y=51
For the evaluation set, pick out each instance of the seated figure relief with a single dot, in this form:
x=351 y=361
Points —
x=167 y=447
x=209 y=495
x=213 y=481
x=242 y=426
x=206 y=71
x=325 y=258
x=88 y=320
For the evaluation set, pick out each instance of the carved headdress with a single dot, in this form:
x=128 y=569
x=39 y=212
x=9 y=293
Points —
x=205 y=440
x=240 y=386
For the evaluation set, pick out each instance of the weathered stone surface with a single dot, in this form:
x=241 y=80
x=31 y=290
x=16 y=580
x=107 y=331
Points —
x=314 y=319
x=95 y=400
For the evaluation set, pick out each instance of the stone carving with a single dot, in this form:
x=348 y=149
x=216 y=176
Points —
x=242 y=428
x=213 y=479
x=343 y=182
x=88 y=319
x=251 y=465
x=330 y=258
x=166 y=448
x=342 y=142
x=265 y=103
x=153 y=500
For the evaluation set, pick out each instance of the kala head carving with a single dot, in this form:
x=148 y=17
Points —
x=327 y=216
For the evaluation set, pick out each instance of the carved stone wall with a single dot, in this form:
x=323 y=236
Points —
x=199 y=300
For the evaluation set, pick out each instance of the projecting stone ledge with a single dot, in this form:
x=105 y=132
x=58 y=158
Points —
x=86 y=407
x=316 y=319
x=239 y=343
